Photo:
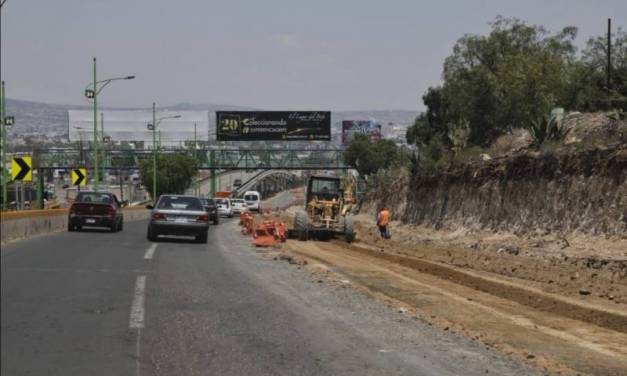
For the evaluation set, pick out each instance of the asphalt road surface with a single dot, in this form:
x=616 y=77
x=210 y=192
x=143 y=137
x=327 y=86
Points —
x=97 y=303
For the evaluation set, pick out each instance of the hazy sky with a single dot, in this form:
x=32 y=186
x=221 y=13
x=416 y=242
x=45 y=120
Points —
x=272 y=54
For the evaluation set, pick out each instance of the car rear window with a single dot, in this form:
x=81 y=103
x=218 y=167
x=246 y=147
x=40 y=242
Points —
x=222 y=201
x=207 y=201
x=95 y=197
x=250 y=198
x=179 y=203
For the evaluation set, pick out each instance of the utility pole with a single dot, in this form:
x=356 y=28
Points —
x=609 y=55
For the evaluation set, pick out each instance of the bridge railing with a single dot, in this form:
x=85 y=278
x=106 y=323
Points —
x=208 y=159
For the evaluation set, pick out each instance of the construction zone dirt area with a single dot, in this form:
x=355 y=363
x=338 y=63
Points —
x=563 y=310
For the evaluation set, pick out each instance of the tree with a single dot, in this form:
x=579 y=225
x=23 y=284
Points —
x=174 y=173
x=504 y=80
x=368 y=158
x=589 y=91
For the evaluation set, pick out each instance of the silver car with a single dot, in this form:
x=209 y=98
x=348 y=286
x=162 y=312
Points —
x=178 y=215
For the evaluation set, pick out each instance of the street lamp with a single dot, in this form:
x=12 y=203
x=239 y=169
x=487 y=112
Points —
x=91 y=93
x=153 y=127
x=6 y=121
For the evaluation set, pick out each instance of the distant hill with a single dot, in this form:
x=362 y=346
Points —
x=37 y=122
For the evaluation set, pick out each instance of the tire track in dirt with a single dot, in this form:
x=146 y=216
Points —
x=546 y=340
x=613 y=320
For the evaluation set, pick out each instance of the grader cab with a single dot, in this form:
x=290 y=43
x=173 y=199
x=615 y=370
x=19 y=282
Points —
x=329 y=203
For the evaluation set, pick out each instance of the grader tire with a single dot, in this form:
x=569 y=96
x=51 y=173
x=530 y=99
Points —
x=301 y=225
x=349 y=229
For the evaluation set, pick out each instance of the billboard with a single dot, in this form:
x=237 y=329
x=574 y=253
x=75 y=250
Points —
x=130 y=125
x=368 y=127
x=273 y=125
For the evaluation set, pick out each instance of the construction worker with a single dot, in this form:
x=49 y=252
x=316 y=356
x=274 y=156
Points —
x=382 y=221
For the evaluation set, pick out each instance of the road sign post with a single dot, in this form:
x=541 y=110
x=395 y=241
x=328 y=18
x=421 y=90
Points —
x=40 y=189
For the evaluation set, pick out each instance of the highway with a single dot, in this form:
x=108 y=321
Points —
x=99 y=303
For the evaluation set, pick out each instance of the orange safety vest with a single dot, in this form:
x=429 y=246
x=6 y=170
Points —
x=384 y=217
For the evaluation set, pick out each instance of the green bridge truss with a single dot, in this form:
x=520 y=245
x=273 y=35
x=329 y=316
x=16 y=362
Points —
x=208 y=159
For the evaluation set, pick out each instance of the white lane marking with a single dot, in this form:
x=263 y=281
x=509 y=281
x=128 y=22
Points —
x=138 y=353
x=137 y=308
x=151 y=251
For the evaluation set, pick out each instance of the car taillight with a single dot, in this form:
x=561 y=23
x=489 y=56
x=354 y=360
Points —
x=72 y=210
x=158 y=216
x=110 y=212
x=203 y=218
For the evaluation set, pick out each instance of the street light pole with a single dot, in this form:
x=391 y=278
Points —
x=4 y=149
x=104 y=154
x=93 y=95
x=96 y=173
x=153 y=127
x=197 y=185
x=4 y=130
x=154 y=153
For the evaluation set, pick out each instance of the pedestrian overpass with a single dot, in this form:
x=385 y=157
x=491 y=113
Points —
x=214 y=160
x=207 y=159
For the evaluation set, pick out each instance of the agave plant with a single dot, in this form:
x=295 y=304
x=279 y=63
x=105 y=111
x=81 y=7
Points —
x=546 y=129
x=459 y=135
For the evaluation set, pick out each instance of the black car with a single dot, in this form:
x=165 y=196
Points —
x=96 y=209
x=210 y=206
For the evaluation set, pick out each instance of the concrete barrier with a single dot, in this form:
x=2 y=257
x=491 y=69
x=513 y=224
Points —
x=29 y=223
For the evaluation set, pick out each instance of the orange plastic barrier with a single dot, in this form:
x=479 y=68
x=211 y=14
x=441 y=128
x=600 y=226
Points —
x=281 y=232
x=247 y=224
x=262 y=237
x=266 y=234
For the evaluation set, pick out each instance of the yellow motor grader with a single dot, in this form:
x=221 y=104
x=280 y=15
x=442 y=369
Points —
x=329 y=202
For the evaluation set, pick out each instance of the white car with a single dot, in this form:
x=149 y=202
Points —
x=239 y=205
x=224 y=206
x=252 y=199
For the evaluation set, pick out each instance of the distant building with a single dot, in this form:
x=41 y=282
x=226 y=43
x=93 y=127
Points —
x=131 y=126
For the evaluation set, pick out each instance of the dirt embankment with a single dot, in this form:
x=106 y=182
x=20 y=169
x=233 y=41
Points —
x=584 y=192
x=547 y=231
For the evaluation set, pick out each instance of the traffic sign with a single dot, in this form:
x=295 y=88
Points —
x=22 y=169
x=79 y=176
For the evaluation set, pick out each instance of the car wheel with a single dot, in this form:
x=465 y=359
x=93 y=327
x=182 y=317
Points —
x=121 y=226
x=151 y=234
x=202 y=237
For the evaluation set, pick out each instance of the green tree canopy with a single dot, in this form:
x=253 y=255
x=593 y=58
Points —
x=174 y=173
x=368 y=158
x=516 y=74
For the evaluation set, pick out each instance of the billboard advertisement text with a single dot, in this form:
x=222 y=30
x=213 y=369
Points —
x=273 y=125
